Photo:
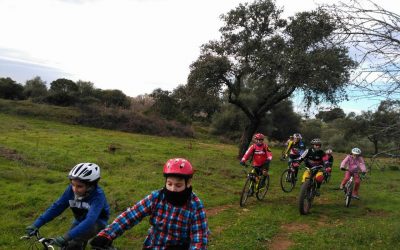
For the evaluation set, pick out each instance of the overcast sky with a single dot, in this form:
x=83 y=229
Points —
x=132 y=45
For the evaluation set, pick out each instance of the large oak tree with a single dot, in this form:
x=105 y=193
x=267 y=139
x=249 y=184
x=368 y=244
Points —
x=262 y=59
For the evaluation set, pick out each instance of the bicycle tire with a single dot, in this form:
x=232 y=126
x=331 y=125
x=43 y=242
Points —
x=262 y=190
x=246 y=191
x=287 y=181
x=327 y=178
x=305 y=197
x=349 y=193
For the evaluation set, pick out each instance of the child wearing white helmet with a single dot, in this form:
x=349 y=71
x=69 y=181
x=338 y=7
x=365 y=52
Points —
x=354 y=164
x=88 y=204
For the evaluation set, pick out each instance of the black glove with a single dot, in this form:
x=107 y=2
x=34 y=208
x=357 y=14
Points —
x=60 y=241
x=31 y=230
x=242 y=163
x=100 y=242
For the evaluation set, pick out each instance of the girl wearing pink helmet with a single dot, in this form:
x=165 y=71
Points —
x=177 y=216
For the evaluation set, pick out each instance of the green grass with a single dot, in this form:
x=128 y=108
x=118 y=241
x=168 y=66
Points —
x=36 y=156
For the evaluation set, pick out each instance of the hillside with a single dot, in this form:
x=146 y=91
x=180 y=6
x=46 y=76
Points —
x=36 y=155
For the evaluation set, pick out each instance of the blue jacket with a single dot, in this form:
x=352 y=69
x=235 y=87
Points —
x=87 y=212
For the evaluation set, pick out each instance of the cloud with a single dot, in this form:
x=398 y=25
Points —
x=23 y=70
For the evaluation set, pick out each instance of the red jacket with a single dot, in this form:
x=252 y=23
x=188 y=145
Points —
x=260 y=154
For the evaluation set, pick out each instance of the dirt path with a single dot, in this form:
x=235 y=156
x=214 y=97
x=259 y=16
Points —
x=216 y=210
x=282 y=241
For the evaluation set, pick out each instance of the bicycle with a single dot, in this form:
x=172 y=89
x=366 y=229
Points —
x=327 y=174
x=288 y=178
x=253 y=185
x=46 y=243
x=308 y=190
x=348 y=189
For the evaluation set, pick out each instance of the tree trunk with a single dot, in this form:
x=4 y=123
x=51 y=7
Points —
x=247 y=136
x=375 y=146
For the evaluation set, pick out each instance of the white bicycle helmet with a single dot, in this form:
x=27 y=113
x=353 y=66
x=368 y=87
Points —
x=328 y=151
x=356 y=151
x=88 y=172
x=316 y=141
x=297 y=136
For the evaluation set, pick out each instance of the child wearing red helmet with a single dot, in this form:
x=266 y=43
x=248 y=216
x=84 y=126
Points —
x=177 y=216
x=260 y=155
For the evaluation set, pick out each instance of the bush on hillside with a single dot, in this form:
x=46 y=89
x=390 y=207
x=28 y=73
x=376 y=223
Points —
x=130 y=121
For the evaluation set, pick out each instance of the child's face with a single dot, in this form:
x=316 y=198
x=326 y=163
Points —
x=79 y=187
x=176 y=184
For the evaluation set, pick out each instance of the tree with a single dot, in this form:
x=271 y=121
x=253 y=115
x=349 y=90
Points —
x=374 y=35
x=262 y=60
x=64 y=86
x=35 y=89
x=384 y=124
x=87 y=93
x=63 y=92
x=164 y=104
x=197 y=102
x=85 y=89
x=9 y=89
x=284 y=120
x=114 y=98
x=278 y=123
x=381 y=127
x=311 y=128
x=330 y=115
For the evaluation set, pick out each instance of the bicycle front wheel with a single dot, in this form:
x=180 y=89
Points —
x=327 y=177
x=246 y=192
x=287 y=181
x=262 y=187
x=305 y=197
x=348 y=195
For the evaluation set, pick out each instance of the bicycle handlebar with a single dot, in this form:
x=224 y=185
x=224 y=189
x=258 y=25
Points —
x=47 y=242
x=314 y=167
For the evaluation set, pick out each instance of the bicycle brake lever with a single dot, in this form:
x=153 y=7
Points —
x=47 y=242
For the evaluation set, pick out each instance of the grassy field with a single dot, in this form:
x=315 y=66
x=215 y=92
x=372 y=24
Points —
x=36 y=155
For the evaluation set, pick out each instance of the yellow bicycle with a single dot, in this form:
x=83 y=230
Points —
x=255 y=184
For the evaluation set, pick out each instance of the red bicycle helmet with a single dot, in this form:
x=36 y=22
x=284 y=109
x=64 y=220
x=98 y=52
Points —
x=259 y=136
x=178 y=166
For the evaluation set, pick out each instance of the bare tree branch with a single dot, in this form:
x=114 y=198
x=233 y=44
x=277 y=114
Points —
x=373 y=34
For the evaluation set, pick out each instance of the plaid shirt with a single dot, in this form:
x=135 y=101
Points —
x=170 y=225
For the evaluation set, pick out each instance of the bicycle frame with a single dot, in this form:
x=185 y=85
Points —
x=348 y=189
x=251 y=186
